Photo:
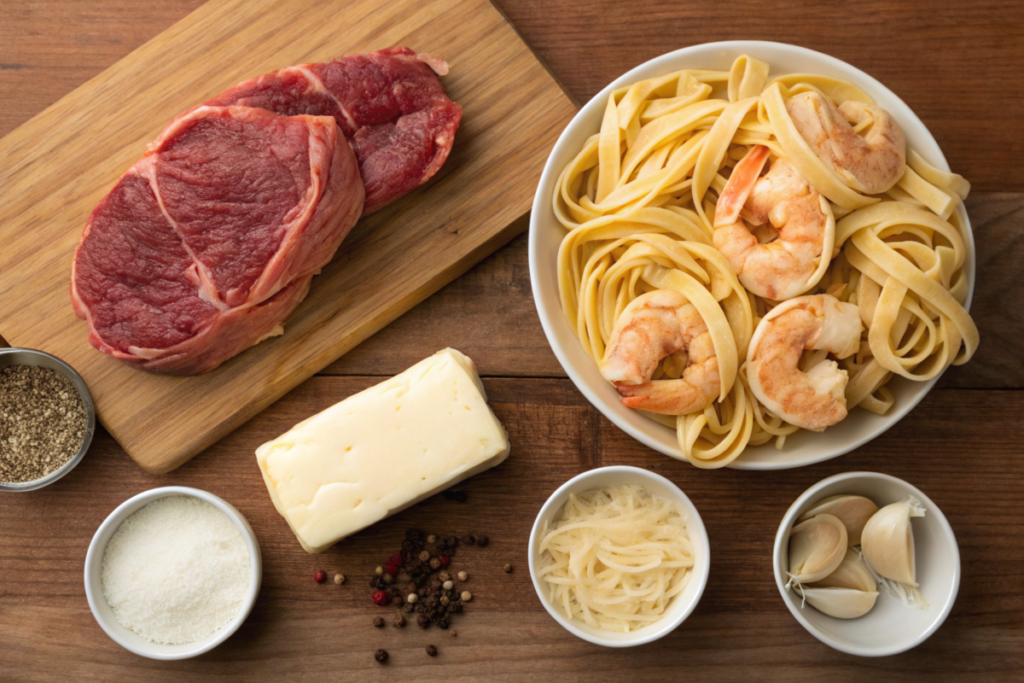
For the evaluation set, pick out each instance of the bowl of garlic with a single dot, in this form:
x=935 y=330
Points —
x=867 y=563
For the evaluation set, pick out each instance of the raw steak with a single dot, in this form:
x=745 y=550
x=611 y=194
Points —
x=390 y=104
x=206 y=244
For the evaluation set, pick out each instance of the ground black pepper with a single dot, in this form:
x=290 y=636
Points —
x=42 y=422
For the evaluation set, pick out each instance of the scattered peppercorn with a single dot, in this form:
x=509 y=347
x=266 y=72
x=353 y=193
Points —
x=435 y=563
x=443 y=576
x=379 y=570
x=381 y=656
x=407 y=608
x=454 y=633
x=431 y=538
x=381 y=598
x=412 y=598
x=424 y=556
x=507 y=568
x=319 y=576
x=463 y=576
x=482 y=541
x=466 y=596
x=398 y=620
x=461 y=496
x=378 y=622
x=339 y=579
x=448 y=585
x=469 y=540
x=431 y=650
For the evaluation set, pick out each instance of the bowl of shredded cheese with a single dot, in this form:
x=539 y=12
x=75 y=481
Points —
x=172 y=573
x=619 y=556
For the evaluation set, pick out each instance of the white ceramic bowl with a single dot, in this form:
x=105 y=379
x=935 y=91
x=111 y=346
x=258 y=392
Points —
x=546 y=234
x=890 y=627
x=682 y=605
x=94 y=583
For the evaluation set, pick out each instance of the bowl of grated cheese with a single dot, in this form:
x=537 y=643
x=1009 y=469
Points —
x=619 y=556
x=172 y=573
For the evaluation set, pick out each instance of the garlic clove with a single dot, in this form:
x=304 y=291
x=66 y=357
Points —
x=816 y=548
x=851 y=573
x=841 y=603
x=854 y=511
x=888 y=541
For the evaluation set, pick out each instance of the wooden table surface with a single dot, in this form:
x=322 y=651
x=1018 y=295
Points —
x=958 y=65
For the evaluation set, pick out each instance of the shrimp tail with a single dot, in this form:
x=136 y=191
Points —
x=741 y=182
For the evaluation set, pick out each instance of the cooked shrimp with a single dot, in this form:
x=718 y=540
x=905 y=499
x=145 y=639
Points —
x=653 y=326
x=869 y=164
x=814 y=399
x=781 y=204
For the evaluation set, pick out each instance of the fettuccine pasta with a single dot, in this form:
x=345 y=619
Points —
x=639 y=205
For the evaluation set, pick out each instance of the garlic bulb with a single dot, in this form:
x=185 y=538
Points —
x=854 y=511
x=852 y=573
x=841 y=603
x=816 y=548
x=888 y=541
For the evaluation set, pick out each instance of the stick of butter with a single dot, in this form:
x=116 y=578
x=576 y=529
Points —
x=382 y=450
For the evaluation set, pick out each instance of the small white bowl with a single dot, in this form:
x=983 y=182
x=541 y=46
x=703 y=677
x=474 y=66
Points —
x=94 y=582
x=890 y=627
x=682 y=605
x=546 y=233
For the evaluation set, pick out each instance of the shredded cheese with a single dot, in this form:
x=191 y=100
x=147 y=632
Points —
x=616 y=557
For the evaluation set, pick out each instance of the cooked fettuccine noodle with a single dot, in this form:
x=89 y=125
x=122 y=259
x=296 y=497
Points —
x=639 y=204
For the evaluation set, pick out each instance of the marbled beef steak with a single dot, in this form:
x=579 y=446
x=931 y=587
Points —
x=390 y=105
x=205 y=245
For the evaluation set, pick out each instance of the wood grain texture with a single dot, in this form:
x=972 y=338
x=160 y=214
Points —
x=960 y=445
x=740 y=631
x=389 y=262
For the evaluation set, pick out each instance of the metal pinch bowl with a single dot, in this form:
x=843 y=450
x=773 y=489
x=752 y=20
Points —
x=13 y=356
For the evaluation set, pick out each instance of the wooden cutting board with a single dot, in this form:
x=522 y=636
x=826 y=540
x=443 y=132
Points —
x=55 y=168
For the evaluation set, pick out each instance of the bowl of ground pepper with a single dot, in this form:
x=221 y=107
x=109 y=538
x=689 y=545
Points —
x=47 y=419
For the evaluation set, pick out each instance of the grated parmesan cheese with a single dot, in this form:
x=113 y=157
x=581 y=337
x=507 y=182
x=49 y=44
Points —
x=176 y=571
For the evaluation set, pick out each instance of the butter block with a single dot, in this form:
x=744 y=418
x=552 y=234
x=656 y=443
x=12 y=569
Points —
x=382 y=450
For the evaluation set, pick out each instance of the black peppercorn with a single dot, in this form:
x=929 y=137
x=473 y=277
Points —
x=482 y=541
x=413 y=534
x=378 y=622
x=408 y=608
x=431 y=650
x=468 y=540
x=449 y=495
x=423 y=621
x=398 y=620
x=381 y=656
x=507 y=568
x=442 y=624
x=460 y=496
